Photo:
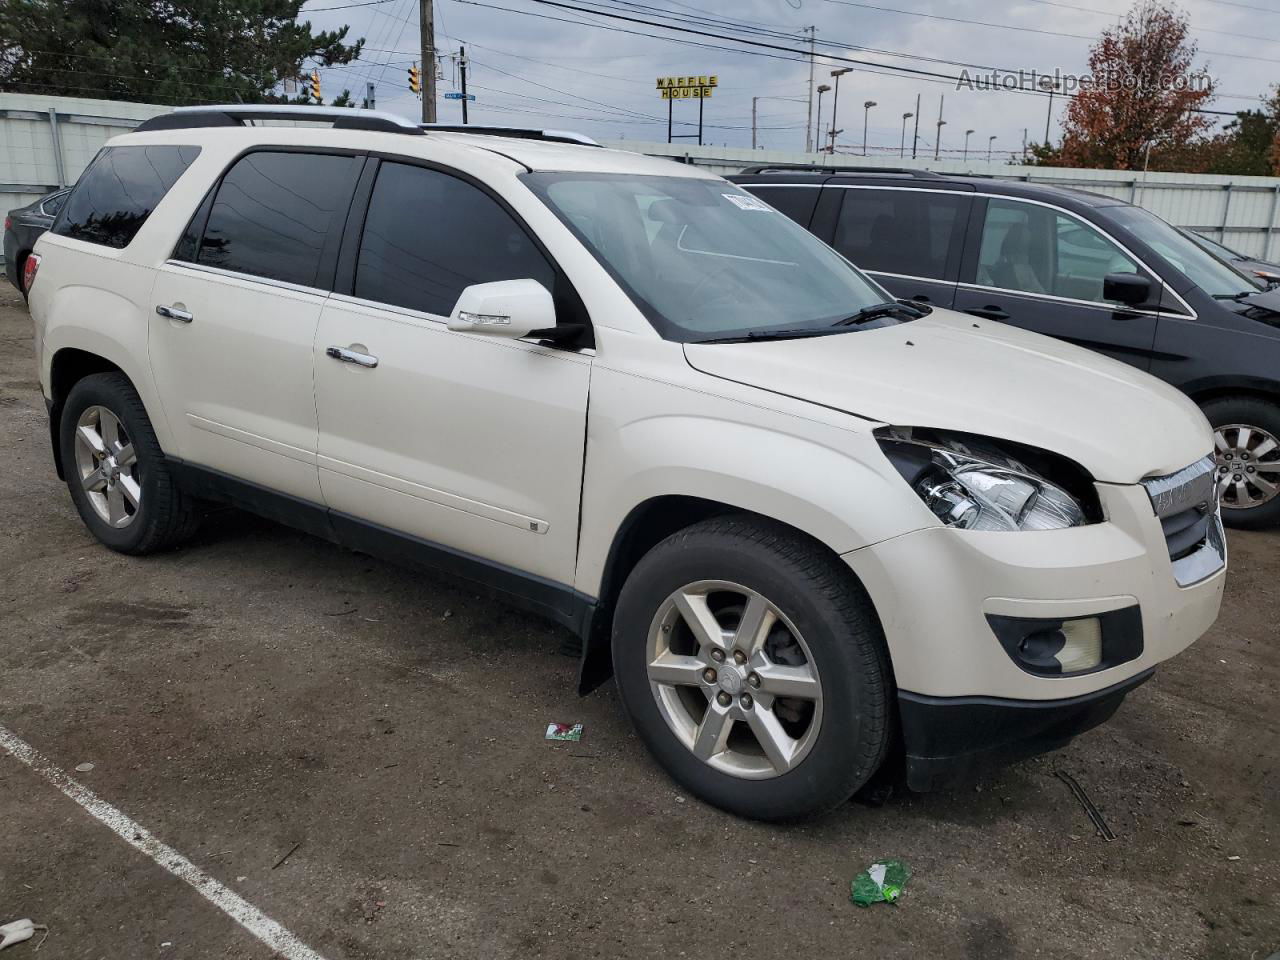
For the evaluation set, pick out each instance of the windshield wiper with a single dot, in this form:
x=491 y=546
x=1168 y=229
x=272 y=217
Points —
x=878 y=310
x=782 y=334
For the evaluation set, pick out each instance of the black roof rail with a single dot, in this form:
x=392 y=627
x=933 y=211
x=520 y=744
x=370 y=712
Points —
x=835 y=168
x=518 y=133
x=239 y=115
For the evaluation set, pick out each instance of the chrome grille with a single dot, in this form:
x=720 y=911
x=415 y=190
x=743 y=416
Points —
x=1186 y=503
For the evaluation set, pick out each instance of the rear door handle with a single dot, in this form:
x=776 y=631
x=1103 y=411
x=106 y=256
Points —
x=352 y=356
x=990 y=312
x=175 y=313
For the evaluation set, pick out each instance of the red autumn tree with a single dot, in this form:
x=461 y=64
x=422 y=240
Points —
x=1142 y=103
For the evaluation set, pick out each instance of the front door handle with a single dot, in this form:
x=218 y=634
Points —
x=351 y=356
x=990 y=312
x=175 y=313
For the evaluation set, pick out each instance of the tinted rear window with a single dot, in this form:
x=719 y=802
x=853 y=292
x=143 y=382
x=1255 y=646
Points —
x=910 y=232
x=117 y=193
x=273 y=214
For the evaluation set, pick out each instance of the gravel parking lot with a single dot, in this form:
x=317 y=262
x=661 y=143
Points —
x=261 y=692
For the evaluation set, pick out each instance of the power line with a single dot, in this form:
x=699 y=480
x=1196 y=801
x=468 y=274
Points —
x=1010 y=26
x=797 y=54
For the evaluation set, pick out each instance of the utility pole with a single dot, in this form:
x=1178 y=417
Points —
x=967 y=134
x=427 y=24
x=915 y=137
x=1024 y=144
x=462 y=73
x=866 y=113
x=808 y=130
x=753 y=122
x=902 y=144
x=370 y=100
x=937 y=139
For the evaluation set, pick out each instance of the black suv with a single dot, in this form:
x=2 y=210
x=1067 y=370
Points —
x=1086 y=268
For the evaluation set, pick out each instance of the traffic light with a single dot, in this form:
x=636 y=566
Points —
x=415 y=79
x=315 y=86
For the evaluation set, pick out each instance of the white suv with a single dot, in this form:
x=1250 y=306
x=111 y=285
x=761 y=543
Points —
x=813 y=532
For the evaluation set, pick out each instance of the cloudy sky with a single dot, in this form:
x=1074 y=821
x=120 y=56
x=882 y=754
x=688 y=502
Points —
x=533 y=64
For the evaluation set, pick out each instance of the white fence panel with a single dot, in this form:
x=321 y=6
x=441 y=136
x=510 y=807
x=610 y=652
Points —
x=45 y=142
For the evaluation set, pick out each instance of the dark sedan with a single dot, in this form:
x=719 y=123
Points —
x=21 y=228
x=1263 y=269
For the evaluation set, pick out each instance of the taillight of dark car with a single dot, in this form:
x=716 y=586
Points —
x=8 y=223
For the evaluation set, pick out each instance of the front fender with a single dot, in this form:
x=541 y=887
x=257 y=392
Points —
x=831 y=483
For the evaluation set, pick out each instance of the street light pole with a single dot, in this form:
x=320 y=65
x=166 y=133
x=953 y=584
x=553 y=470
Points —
x=966 y=141
x=866 y=111
x=835 y=105
x=822 y=88
x=902 y=145
x=990 y=140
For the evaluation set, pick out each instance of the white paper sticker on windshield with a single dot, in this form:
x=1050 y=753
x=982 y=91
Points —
x=744 y=201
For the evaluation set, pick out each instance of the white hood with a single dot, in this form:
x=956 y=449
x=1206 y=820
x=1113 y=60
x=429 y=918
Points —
x=952 y=372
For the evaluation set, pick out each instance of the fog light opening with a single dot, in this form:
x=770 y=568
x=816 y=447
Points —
x=1073 y=646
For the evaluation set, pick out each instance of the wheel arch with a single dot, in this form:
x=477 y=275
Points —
x=646 y=525
x=67 y=367
x=1216 y=388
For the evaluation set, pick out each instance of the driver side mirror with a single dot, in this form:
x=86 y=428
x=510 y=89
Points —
x=1128 y=288
x=504 y=308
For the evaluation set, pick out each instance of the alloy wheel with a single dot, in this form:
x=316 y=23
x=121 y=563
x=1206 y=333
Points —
x=1248 y=465
x=107 y=466
x=734 y=680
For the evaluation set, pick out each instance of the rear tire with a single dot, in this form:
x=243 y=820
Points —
x=817 y=622
x=116 y=472
x=1247 y=446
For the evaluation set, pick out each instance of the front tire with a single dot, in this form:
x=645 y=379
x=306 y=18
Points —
x=1247 y=447
x=116 y=472
x=754 y=668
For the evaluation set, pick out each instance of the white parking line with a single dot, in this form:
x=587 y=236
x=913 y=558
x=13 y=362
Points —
x=232 y=904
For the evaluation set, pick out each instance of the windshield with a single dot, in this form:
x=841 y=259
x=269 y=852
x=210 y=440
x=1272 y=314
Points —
x=1214 y=276
x=705 y=260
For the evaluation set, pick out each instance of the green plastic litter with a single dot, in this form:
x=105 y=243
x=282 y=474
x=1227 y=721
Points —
x=882 y=882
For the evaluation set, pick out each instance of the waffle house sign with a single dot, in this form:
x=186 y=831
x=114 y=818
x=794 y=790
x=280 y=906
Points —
x=687 y=88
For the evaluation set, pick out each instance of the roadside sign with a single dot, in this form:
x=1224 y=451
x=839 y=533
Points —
x=459 y=96
x=687 y=88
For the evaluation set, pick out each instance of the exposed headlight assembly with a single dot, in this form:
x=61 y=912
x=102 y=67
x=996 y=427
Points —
x=974 y=485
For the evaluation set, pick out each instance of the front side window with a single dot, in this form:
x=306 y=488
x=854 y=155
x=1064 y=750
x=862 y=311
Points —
x=1036 y=249
x=429 y=235
x=704 y=260
x=272 y=215
x=118 y=191
x=910 y=232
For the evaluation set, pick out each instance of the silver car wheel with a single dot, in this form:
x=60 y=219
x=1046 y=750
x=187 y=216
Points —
x=107 y=466
x=1248 y=465
x=734 y=679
